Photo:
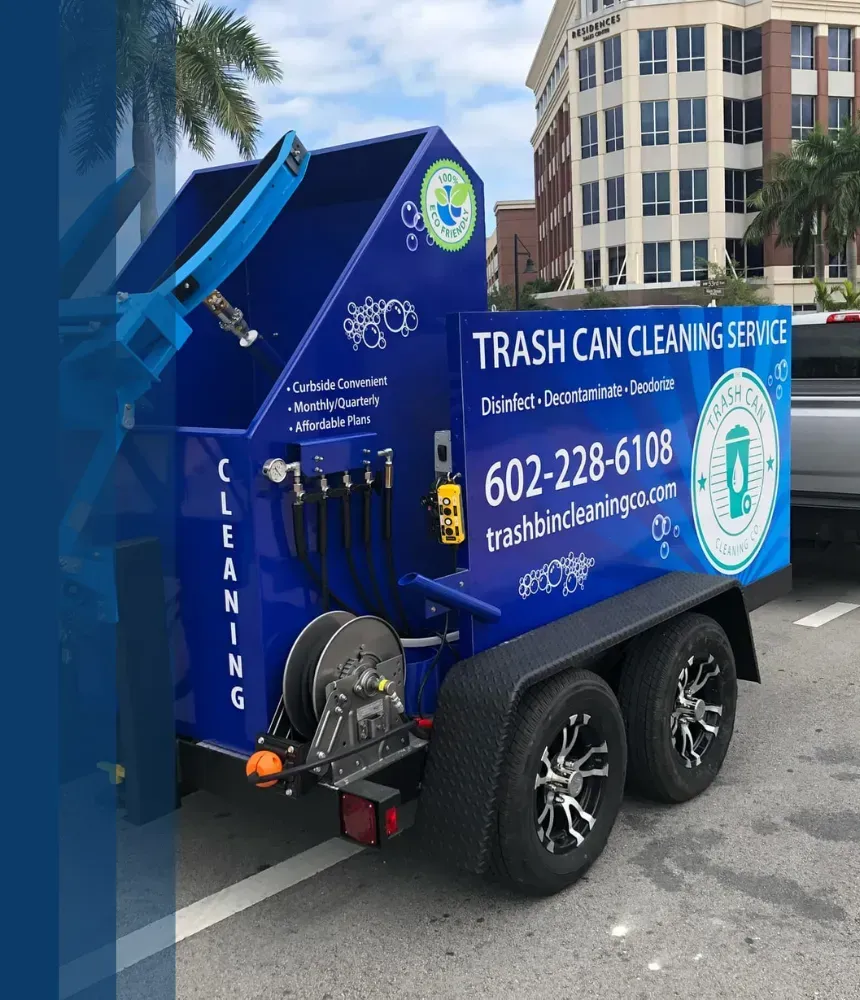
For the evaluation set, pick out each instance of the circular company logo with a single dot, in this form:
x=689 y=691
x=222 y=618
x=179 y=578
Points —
x=449 y=205
x=735 y=470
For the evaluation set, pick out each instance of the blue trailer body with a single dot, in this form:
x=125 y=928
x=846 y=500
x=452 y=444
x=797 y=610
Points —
x=351 y=285
x=370 y=288
x=597 y=452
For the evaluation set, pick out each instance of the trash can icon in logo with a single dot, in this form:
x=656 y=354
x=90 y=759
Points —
x=737 y=471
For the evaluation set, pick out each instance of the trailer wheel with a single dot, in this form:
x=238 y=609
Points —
x=678 y=694
x=562 y=783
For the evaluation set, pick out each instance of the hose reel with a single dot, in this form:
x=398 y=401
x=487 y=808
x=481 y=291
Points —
x=343 y=686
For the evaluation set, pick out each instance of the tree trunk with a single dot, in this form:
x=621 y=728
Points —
x=143 y=152
x=820 y=257
x=851 y=257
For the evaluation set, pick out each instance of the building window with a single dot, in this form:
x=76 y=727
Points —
x=693 y=188
x=614 y=121
x=694 y=260
x=735 y=191
x=588 y=133
x=755 y=181
x=655 y=193
x=658 y=262
x=741 y=50
x=747 y=260
x=617 y=265
x=839 y=50
x=612 y=59
x=752 y=50
x=752 y=120
x=614 y=198
x=653 y=58
x=552 y=83
x=802 y=116
x=655 y=123
x=802 y=264
x=592 y=268
x=802 y=46
x=587 y=68
x=733 y=50
x=591 y=203
x=742 y=121
x=733 y=121
x=691 y=119
x=804 y=307
x=838 y=267
x=690 y=43
x=839 y=113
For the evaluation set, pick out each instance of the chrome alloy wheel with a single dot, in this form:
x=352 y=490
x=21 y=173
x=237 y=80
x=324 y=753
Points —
x=698 y=710
x=569 y=785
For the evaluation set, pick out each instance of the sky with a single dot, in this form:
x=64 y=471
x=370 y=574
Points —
x=356 y=69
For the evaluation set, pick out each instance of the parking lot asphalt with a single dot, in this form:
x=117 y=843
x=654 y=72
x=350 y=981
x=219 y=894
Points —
x=750 y=891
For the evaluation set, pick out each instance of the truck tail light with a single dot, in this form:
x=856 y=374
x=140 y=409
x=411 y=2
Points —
x=852 y=317
x=369 y=821
x=358 y=819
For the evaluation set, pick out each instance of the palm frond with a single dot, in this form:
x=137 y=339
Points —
x=231 y=37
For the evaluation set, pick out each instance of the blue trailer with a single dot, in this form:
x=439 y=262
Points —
x=492 y=567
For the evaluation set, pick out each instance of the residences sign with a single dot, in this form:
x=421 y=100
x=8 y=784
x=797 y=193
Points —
x=594 y=29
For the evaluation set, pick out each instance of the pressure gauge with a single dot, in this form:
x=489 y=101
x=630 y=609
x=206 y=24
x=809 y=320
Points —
x=276 y=470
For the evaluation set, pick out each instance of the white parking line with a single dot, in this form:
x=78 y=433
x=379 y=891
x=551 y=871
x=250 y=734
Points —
x=89 y=969
x=827 y=614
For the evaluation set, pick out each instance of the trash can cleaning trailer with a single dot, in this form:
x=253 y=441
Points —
x=493 y=565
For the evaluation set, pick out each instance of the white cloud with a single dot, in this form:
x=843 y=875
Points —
x=355 y=69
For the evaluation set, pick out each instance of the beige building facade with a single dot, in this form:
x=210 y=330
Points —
x=655 y=121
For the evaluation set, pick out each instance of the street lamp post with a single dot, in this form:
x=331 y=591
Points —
x=529 y=269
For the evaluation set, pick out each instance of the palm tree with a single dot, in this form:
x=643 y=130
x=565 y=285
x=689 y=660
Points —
x=178 y=74
x=812 y=197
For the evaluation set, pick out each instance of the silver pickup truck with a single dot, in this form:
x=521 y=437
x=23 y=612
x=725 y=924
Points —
x=825 y=426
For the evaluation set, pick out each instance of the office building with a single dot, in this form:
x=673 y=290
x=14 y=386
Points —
x=654 y=123
x=513 y=219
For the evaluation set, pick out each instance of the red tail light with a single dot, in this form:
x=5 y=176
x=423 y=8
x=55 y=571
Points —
x=843 y=318
x=358 y=819
x=370 y=821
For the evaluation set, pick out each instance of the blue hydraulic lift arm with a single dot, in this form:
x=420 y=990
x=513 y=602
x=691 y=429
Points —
x=143 y=331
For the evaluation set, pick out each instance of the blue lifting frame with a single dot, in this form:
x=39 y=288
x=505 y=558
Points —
x=141 y=332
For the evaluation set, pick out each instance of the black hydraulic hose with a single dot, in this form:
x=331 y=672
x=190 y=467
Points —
x=387 y=509
x=346 y=509
x=302 y=554
x=322 y=546
x=368 y=550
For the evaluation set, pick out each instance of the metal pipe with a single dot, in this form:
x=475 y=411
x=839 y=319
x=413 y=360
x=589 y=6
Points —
x=451 y=597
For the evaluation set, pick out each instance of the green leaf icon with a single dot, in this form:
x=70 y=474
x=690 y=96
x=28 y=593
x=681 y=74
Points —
x=441 y=196
x=459 y=195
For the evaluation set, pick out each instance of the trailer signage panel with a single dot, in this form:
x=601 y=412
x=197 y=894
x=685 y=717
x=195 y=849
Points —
x=602 y=448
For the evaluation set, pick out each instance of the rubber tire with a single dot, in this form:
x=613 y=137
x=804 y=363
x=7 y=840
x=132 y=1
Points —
x=519 y=858
x=646 y=692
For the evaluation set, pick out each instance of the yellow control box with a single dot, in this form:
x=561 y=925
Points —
x=452 y=524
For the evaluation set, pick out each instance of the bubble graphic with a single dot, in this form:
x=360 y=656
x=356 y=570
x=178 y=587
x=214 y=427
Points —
x=770 y=380
x=420 y=225
x=412 y=242
x=676 y=531
x=352 y=308
x=660 y=527
x=394 y=316
x=373 y=336
x=779 y=392
x=664 y=550
x=348 y=327
x=429 y=240
x=409 y=214
x=567 y=572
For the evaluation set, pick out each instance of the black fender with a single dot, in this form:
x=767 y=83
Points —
x=472 y=727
